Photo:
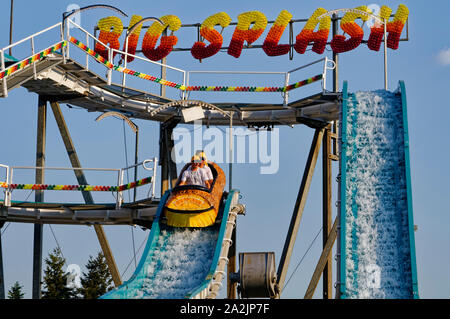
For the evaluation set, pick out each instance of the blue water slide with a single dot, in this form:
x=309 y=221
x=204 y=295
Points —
x=181 y=263
x=377 y=247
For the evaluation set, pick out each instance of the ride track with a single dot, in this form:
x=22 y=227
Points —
x=377 y=228
x=171 y=251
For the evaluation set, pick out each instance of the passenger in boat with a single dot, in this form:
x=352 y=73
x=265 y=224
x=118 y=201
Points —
x=194 y=175
x=204 y=166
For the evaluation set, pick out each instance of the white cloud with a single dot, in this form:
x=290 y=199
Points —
x=444 y=56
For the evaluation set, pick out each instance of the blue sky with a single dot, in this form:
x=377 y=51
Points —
x=423 y=63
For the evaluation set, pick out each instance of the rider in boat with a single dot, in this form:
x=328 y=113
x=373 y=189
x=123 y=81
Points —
x=195 y=175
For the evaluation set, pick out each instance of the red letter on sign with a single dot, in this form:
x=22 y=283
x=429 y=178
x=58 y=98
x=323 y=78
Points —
x=243 y=32
x=110 y=30
x=132 y=38
x=319 y=38
x=270 y=45
x=200 y=50
x=394 y=28
x=348 y=25
x=167 y=42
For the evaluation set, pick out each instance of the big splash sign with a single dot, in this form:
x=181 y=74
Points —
x=250 y=26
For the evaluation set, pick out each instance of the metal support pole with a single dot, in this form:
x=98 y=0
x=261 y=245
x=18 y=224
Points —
x=111 y=59
x=173 y=175
x=11 y=26
x=39 y=195
x=230 y=173
x=338 y=215
x=136 y=158
x=335 y=56
x=326 y=254
x=168 y=166
x=231 y=267
x=4 y=82
x=327 y=210
x=2 y=277
x=299 y=207
x=163 y=159
x=74 y=160
x=385 y=57
x=163 y=70
x=336 y=123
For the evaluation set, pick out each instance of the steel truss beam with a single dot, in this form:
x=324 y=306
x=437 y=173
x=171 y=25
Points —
x=74 y=160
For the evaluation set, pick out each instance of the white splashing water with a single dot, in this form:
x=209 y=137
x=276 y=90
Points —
x=377 y=239
x=180 y=263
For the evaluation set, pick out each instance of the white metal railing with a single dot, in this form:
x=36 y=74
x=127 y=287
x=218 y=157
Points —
x=65 y=35
x=112 y=52
x=8 y=188
x=287 y=75
x=30 y=38
x=324 y=73
x=143 y=164
x=187 y=74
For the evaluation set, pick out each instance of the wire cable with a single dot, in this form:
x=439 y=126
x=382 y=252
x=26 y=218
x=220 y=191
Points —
x=303 y=257
x=126 y=157
x=139 y=249
x=4 y=230
x=56 y=240
x=128 y=181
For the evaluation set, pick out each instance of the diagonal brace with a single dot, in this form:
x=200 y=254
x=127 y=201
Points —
x=74 y=160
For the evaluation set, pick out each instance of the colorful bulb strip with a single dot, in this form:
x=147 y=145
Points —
x=193 y=88
x=92 y=53
x=316 y=78
x=256 y=88
x=202 y=51
x=149 y=77
x=87 y=188
x=35 y=58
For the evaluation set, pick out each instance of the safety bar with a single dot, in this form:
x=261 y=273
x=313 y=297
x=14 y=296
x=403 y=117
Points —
x=119 y=188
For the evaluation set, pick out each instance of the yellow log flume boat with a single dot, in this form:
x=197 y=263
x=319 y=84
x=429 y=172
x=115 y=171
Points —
x=193 y=205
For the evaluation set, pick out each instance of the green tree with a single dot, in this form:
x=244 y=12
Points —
x=55 y=278
x=16 y=291
x=97 y=280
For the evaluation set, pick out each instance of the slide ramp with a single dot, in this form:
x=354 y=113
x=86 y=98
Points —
x=182 y=263
x=377 y=229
